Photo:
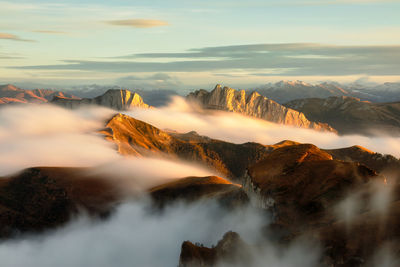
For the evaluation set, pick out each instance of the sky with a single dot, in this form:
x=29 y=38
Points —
x=191 y=44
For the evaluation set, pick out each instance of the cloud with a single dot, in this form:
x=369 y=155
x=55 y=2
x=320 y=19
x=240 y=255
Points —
x=10 y=56
x=49 y=32
x=136 y=237
x=47 y=135
x=291 y=59
x=156 y=81
x=9 y=36
x=138 y=23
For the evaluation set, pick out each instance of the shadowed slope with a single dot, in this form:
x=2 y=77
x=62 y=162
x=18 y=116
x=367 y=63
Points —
x=37 y=199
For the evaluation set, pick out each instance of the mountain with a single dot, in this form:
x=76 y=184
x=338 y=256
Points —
x=42 y=198
x=285 y=91
x=350 y=115
x=255 y=105
x=138 y=138
x=10 y=94
x=135 y=137
x=153 y=97
x=301 y=183
x=117 y=99
x=380 y=93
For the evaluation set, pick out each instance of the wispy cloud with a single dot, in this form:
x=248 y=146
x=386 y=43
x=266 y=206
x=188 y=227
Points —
x=12 y=37
x=50 y=32
x=9 y=56
x=138 y=23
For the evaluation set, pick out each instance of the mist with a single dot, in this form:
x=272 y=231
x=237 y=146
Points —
x=47 y=135
x=232 y=127
x=136 y=237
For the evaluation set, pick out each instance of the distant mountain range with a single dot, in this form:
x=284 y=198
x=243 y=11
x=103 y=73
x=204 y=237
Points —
x=10 y=94
x=342 y=112
x=285 y=91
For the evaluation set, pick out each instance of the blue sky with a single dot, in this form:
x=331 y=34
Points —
x=63 y=43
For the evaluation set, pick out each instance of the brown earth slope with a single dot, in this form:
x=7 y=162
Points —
x=37 y=199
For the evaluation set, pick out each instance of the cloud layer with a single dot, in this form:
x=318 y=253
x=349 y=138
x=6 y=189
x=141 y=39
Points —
x=46 y=135
x=296 y=59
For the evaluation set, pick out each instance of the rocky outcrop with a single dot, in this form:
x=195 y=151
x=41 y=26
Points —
x=231 y=250
x=117 y=99
x=10 y=94
x=350 y=115
x=254 y=105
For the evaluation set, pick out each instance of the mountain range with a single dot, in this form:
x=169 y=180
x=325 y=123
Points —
x=10 y=94
x=299 y=185
x=285 y=91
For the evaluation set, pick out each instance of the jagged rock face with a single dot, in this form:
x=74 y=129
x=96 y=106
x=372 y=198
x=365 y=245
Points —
x=301 y=183
x=349 y=115
x=114 y=98
x=39 y=199
x=190 y=189
x=10 y=94
x=135 y=137
x=255 y=105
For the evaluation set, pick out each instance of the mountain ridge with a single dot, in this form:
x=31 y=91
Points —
x=254 y=105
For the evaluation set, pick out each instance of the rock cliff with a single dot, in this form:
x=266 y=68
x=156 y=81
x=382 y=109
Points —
x=254 y=105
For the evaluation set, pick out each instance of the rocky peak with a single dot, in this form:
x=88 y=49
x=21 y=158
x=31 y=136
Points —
x=253 y=104
x=118 y=99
